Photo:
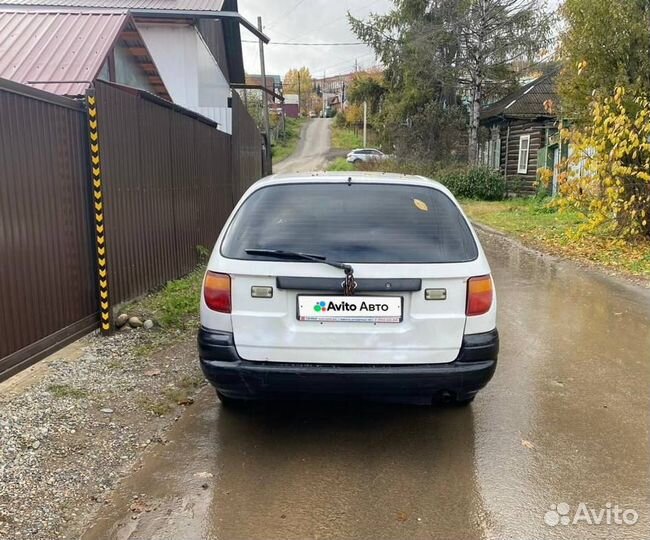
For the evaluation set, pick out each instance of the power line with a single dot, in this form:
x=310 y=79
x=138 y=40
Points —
x=336 y=44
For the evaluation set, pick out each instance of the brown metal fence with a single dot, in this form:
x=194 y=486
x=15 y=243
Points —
x=167 y=188
x=169 y=181
x=247 y=156
x=47 y=274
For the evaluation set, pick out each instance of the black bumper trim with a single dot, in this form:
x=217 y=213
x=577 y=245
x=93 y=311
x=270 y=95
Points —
x=239 y=378
x=217 y=346
x=478 y=347
x=335 y=284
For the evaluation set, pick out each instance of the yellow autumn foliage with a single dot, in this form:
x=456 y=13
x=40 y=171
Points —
x=607 y=176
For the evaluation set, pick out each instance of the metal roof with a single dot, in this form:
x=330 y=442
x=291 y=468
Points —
x=57 y=52
x=180 y=5
x=528 y=102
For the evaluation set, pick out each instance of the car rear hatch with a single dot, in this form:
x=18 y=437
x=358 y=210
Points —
x=412 y=253
x=426 y=331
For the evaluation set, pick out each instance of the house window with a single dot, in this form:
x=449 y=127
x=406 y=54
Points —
x=524 y=151
x=495 y=154
x=484 y=152
x=490 y=154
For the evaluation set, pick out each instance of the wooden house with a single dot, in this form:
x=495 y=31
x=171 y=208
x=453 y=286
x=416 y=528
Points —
x=521 y=133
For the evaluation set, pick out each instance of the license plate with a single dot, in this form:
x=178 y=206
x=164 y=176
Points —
x=372 y=309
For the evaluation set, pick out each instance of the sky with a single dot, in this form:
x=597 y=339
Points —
x=308 y=21
x=312 y=21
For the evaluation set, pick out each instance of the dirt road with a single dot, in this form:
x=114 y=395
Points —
x=311 y=154
x=563 y=424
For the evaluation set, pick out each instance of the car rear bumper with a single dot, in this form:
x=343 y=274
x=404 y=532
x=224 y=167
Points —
x=235 y=377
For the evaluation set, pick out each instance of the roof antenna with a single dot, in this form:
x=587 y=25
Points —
x=349 y=180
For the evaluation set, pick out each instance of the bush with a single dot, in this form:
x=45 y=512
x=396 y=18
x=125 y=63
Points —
x=477 y=183
x=339 y=120
x=607 y=178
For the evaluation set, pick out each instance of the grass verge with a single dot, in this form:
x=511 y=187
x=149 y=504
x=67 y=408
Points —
x=175 y=308
x=176 y=305
x=345 y=139
x=341 y=164
x=284 y=147
x=537 y=225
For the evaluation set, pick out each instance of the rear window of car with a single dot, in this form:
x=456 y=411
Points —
x=362 y=223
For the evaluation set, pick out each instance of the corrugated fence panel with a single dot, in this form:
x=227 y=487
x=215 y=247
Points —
x=120 y=164
x=170 y=179
x=246 y=149
x=167 y=187
x=47 y=285
x=215 y=190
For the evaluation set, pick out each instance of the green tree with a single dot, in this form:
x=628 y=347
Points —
x=604 y=44
x=444 y=57
x=422 y=115
x=368 y=87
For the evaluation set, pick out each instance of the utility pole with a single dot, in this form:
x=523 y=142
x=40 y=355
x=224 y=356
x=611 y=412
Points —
x=299 y=107
x=365 y=124
x=324 y=98
x=265 y=101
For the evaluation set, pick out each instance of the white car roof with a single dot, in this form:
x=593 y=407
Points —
x=361 y=177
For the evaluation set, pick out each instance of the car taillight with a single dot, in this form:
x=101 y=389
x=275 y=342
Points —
x=216 y=291
x=480 y=293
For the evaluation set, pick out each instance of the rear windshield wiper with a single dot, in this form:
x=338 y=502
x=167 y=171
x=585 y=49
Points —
x=298 y=256
x=349 y=285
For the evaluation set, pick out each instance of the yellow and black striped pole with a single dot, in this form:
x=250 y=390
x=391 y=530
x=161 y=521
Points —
x=98 y=206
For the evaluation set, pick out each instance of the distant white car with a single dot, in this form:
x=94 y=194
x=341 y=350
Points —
x=366 y=154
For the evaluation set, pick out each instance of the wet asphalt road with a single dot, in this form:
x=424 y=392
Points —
x=564 y=420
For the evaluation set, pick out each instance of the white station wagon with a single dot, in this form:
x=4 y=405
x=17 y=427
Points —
x=371 y=285
x=366 y=155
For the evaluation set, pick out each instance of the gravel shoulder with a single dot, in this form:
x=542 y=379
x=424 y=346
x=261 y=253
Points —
x=74 y=427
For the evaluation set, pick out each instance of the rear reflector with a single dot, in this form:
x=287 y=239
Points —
x=479 y=295
x=216 y=291
x=435 y=294
x=261 y=292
